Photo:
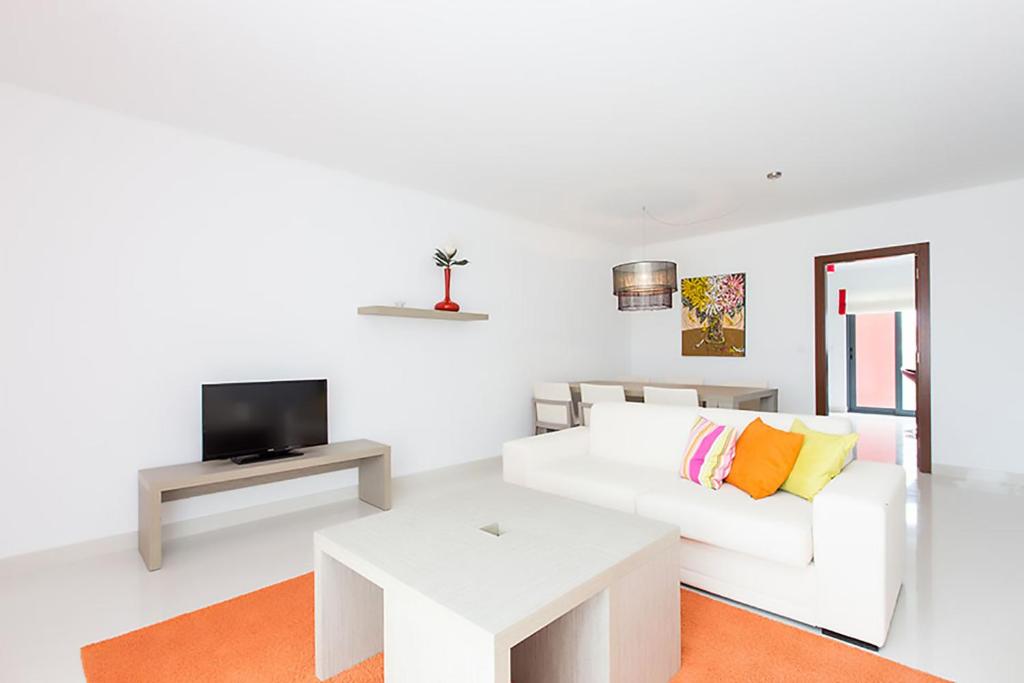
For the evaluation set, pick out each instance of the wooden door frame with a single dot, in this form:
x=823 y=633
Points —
x=922 y=302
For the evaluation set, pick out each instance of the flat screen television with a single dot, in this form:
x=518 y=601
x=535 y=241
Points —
x=249 y=421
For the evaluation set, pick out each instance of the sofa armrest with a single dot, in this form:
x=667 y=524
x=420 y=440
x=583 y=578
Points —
x=518 y=457
x=859 y=533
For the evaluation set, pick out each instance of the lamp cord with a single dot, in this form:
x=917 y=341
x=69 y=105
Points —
x=643 y=232
x=683 y=225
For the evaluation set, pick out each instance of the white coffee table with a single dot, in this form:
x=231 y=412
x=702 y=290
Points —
x=566 y=593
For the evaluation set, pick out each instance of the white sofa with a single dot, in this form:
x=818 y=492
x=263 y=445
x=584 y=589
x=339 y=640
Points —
x=835 y=563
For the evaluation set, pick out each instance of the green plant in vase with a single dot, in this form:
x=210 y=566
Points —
x=445 y=258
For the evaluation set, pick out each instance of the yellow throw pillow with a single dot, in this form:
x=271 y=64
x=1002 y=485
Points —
x=821 y=458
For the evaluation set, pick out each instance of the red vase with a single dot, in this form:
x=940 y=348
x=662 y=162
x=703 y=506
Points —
x=447 y=304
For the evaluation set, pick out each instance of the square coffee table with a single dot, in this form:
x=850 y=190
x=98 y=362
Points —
x=474 y=586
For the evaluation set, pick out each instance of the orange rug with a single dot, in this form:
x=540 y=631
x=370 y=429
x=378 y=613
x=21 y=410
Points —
x=268 y=636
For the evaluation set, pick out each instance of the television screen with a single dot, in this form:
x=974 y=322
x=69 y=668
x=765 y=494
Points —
x=263 y=417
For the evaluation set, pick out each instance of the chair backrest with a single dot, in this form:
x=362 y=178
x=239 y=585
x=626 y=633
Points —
x=599 y=393
x=552 y=405
x=671 y=397
x=657 y=435
x=602 y=393
x=552 y=391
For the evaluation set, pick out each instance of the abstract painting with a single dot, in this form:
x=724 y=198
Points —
x=714 y=315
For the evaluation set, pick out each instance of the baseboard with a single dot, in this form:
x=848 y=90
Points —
x=17 y=564
x=977 y=474
x=39 y=559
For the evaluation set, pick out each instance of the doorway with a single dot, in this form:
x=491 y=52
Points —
x=879 y=354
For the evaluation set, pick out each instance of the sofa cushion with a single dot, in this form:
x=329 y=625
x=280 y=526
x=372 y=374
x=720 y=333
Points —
x=764 y=458
x=709 y=454
x=641 y=434
x=597 y=481
x=775 y=528
x=830 y=424
x=657 y=435
x=821 y=458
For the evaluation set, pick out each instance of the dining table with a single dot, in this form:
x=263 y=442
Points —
x=765 y=399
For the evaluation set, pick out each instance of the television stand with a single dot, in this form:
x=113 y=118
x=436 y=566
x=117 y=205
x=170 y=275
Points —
x=261 y=457
x=174 y=482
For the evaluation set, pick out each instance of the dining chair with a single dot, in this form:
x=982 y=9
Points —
x=599 y=393
x=671 y=397
x=552 y=407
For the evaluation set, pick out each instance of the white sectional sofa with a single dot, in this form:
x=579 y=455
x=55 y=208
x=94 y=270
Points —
x=835 y=563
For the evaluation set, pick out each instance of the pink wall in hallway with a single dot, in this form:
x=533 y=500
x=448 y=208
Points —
x=876 y=353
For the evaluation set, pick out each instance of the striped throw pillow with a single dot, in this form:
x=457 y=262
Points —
x=709 y=455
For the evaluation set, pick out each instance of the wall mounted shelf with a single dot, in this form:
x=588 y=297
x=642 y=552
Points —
x=406 y=312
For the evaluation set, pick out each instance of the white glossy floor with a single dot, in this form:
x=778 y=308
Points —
x=959 y=615
x=886 y=438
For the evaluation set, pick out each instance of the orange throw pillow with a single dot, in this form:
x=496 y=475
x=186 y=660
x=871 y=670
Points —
x=764 y=458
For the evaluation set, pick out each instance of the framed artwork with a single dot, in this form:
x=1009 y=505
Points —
x=714 y=315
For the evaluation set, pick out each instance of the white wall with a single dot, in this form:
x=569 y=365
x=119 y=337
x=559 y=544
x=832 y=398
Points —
x=976 y=244
x=139 y=261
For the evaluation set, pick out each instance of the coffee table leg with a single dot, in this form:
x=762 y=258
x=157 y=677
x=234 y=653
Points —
x=348 y=618
x=425 y=643
x=574 y=647
x=644 y=608
x=627 y=633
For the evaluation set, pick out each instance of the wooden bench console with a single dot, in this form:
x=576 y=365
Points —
x=174 y=482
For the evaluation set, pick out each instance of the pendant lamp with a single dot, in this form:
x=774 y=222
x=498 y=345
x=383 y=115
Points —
x=644 y=285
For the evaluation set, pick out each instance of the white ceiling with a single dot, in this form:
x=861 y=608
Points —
x=572 y=113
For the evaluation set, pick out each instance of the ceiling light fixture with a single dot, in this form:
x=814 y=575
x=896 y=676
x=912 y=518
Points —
x=774 y=175
x=644 y=285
